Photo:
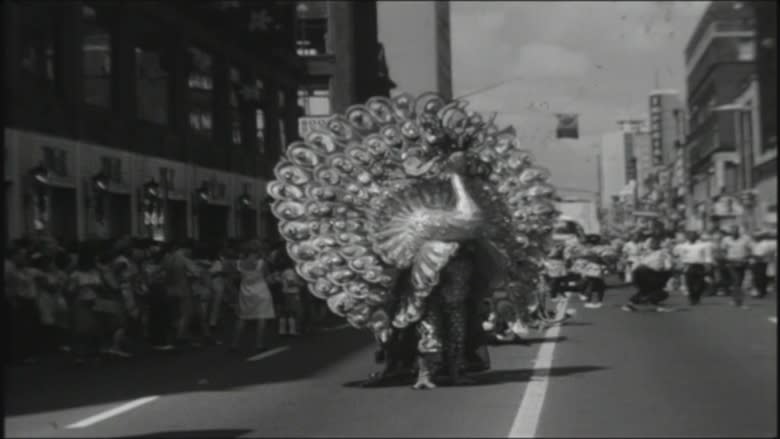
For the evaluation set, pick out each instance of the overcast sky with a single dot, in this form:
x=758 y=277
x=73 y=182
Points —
x=597 y=59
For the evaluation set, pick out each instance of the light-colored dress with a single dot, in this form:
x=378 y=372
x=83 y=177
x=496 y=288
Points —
x=254 y=299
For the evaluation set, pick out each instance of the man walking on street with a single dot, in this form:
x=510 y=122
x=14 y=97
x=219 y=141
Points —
x=694 y=259
x=763 y=254
x=737 y=251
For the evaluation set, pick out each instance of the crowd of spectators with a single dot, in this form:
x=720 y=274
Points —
x=130 y=296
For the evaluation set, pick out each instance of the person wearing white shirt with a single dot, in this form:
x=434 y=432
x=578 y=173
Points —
x=695 y=259
x=736 y=252
x=764 y=253
x=630 y=255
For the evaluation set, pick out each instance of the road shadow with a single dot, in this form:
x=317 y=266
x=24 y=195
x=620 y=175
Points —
x=50 y=387
x=539 y=340
x=489 y=378
x=194 y=433
x=576 y=324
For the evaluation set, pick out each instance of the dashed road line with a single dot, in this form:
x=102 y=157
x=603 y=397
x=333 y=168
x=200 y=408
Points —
x=527 y=418
x=92 y=420
x=267 y=354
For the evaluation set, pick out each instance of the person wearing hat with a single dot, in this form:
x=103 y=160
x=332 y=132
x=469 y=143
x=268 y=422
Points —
x=764 y=254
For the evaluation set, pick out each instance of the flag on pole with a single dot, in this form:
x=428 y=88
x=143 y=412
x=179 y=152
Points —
x=568 y=126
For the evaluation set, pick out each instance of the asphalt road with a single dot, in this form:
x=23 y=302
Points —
x=708 y=371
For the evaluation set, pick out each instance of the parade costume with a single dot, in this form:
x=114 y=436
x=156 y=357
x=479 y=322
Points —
x=401 y=211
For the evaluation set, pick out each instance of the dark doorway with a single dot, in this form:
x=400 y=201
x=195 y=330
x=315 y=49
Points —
x=7 y=216
x=247 y=222
x=176 y=220
x=118 y=215
x=212 y=223
x=62 y=218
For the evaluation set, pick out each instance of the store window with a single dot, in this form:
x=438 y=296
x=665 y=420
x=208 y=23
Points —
x=97 y=56
x=39 y=33
x=152 y=75
x=235 y=106
x=312 y=28
x=201 y=91
x=746 y=50
x=314 y=101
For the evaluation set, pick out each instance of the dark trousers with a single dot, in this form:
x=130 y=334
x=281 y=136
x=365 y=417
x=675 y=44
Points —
x=594 y=288
x=556 y=286
x=28 y=332
x=650 y=286
x=695 y=283
x=160 y=318
x=734 y=278
x=760 y=279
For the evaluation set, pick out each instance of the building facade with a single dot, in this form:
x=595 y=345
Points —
x=764 y=166
x=143 y=118
x=416 y=36
x=720 y=61
x=343 y=59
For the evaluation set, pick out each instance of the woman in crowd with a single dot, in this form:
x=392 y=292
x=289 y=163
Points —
x=254 y=302
x=291 y=320
x=111 y=309
x=83 y=287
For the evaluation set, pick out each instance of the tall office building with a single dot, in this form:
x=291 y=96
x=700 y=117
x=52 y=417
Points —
x=416 y=37
x=720 y=62
x=164 y=124
x=343 y=58
x=667 y=118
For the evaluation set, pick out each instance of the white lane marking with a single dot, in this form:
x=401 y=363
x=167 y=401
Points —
x=773 y=320
x=527 y=417
x=268 y=353
x=113 y=412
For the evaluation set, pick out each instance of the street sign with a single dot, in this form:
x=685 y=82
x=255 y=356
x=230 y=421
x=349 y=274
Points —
x=309 y=123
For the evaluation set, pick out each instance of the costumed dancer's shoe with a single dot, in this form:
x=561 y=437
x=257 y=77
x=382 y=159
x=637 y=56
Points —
x=424 y=374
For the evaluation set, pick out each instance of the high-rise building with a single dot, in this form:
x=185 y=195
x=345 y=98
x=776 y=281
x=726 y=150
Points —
x=343 y=58
x=165 y=123
x=720 y=61
x=616 y=155
x=416 y=36
x=764 y=166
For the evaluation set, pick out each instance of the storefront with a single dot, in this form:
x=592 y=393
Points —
x=210 y=206
x=63 y=217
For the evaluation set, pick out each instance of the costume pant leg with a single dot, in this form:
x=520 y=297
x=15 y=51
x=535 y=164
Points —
x=694 y=282
x=455 y=322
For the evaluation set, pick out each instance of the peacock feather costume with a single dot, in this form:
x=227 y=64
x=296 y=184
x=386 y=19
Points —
x=402 y=207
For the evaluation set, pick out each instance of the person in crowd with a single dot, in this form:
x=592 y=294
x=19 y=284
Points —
x=556 y=271
x=202 y=290
x=49 y=285
x=630 y=251
x=737 y=248
x=83 y=286
x=291 y=321
x=254 y=302
x=695 y=261
x=180 y=270
x=764 y=254
x=110 y=308
x=161 y=302
x=677 y=283
x=593 y=271
x=719 y=284
x=218 y=273
x=650 y=276
x=61 y=269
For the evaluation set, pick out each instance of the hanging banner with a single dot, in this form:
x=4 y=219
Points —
x=568 y=126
